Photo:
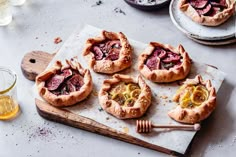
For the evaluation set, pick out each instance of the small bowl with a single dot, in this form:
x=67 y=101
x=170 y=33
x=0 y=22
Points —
x=147 y=5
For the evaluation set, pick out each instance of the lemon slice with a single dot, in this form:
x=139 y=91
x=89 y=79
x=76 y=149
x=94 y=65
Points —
x=126 y=95
x=119 y=88
x=203 y=89
x=119 y=98
x=198 y=97
x=132 y=86
x=130 y=102
x=187 y=92
x=186 y=103
x=135 y=93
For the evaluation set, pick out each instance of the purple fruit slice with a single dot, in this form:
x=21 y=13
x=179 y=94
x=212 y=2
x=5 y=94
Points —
x=97 y=52
x=113 y=54
x=66 y=73
x=204 y=11
x=77 y=81
x=220 y=4
x=198 y=4
x=54 y=82
x=171 y=57
x=214 y=11
x=152 y=63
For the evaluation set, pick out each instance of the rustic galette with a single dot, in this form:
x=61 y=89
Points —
x=208 y=12
x=196 y=100
x=163 y=63
x=64 y=84
x=109 y=53
x=125 y=97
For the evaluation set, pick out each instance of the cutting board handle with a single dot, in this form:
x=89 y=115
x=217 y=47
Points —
x=35 y=62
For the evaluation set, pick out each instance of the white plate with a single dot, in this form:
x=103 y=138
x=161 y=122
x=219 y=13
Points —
x=195 y=30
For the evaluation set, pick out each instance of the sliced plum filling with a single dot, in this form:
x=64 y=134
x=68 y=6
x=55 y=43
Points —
x=108 y=50
x=208 y=7
x=64 y=82
x=125 y=94
x=163 y=59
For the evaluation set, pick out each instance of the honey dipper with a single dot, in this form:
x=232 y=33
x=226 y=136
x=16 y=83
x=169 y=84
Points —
x=145 y=126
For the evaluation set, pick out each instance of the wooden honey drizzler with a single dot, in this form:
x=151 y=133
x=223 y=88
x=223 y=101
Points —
x=146 y=126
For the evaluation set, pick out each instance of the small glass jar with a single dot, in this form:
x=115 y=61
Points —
x=5 y=13
x=9 y=107
x=17 y=2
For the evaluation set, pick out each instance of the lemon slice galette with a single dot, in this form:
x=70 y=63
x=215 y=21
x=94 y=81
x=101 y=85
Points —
x=64 y=84
x=164 y=63
x=125 y=97
x=109 y=53
x=196 y=100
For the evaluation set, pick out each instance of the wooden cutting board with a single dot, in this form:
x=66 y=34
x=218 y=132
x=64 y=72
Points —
x=34 y=63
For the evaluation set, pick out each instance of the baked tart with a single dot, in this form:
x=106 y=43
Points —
x=164 y=63
x=109 y=53
x=196 y=100
x=64 y=84
x=124 y=97
x=208 y=12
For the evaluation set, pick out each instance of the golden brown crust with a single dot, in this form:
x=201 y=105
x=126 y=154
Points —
x=164 y=75
x=72 y=97
x=123 y=112
x=109 y=66
x=197 y=113
x=215 y=20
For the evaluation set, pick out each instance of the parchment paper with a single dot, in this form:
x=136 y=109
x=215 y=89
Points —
x=161 y=94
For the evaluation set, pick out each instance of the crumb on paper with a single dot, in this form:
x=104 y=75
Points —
x=57 y=40
x=163 y=96
x=97 y=3
x=118 y=10
x=126 y=130
x=100 y=109
x=95 y=93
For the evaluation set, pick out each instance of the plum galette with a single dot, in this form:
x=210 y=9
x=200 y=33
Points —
x=64 y=84
x=163 y=63
x=109 y=53
x=208 y=12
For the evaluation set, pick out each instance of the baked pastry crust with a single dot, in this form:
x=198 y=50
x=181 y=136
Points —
x=214 y=20
x=105 y=65
x=124 y=112
x=65 y=99
x=197 y=113
x=164 y=75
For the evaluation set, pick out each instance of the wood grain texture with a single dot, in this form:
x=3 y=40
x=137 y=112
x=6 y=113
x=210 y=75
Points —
x=66 y=117
x=34 y=63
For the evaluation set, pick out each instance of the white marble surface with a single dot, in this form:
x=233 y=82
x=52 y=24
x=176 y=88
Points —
x=34 y=27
